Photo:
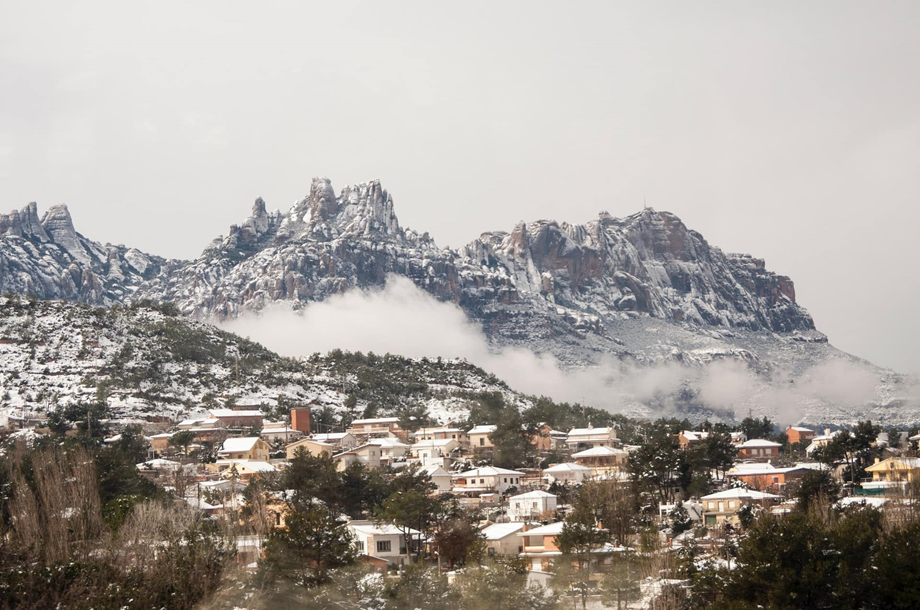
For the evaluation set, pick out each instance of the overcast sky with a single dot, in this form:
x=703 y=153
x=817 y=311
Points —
x=787 y=130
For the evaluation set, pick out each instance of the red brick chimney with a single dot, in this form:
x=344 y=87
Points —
x=300 y=419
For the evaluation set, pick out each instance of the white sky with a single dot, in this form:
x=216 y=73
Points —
x=787 y=130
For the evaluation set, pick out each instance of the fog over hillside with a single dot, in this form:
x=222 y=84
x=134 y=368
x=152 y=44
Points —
x=403 y=319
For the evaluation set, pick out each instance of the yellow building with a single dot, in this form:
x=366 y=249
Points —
x=896 y=470
x=251 y=448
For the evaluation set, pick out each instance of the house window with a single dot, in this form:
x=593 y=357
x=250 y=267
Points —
x=384 y=546
x=482 y=481
x=506 y=479
x=731 y=504
x=360 y=544
x=534 y=505
x=491 y=551
x=482 y=442
x=776 y=480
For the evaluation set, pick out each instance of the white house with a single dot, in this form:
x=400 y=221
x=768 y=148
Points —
x=486 y=479
x=503 y=538
x=382 y=541
x=390 y=448
x=440 y=477
x=580 y=439
x=431 y=451
x=566 y=473
x=531 y=505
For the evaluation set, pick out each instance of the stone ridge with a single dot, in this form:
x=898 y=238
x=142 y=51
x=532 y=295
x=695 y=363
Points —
x=541 y=281
x=48 y=258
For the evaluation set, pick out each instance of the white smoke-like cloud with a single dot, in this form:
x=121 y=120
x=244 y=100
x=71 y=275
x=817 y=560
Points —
x=402 y=319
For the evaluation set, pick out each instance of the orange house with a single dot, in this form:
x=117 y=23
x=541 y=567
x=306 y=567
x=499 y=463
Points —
x=540 y=547
x=797 y=434
x=766 y=478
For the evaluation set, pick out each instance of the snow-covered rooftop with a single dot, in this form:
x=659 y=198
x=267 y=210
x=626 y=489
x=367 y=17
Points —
x=533 y=495
x=497 y=531
x=758 y=442
x=592 y=432
x=740 y=492
x=488 y=471
x=599 y=452
x=239 y=444
x=565 y=467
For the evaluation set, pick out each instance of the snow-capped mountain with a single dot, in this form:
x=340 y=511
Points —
x=642 y=290
x=47 y=258
x=557 y=284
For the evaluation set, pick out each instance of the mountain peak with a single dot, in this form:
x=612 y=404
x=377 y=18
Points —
x=58 y=225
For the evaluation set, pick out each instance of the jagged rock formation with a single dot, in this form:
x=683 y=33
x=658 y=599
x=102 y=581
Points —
x=543 y=280
x=49 y=259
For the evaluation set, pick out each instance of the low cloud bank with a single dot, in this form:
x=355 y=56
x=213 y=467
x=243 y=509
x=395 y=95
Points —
x=402 y=319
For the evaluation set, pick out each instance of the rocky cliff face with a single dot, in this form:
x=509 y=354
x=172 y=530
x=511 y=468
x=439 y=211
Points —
x=47 y=258
x=542 y=280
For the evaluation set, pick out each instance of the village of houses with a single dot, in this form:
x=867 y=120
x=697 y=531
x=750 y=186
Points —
x=525 y=518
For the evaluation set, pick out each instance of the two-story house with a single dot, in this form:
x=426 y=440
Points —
x=367 y=454
x=798 y=434
x=377 y=427
x=531 y=506
x=540 y=548
x=481 y=441
x=383 y=541
x=391 y=449
x=602 y=458
x=503 y=538
x=442 y=433
x=722 y=508
x=895 y=471
x=765 y=476
x=433 y=451
x=566 y=473
x=580 y=439
x=758 y=449
x=251 y=448
x=486 y=479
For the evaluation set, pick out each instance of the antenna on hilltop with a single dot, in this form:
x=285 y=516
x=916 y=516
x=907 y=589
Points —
x=644 y=204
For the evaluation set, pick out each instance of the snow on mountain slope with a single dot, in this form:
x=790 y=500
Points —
x=644 y=290
x=148 y=363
